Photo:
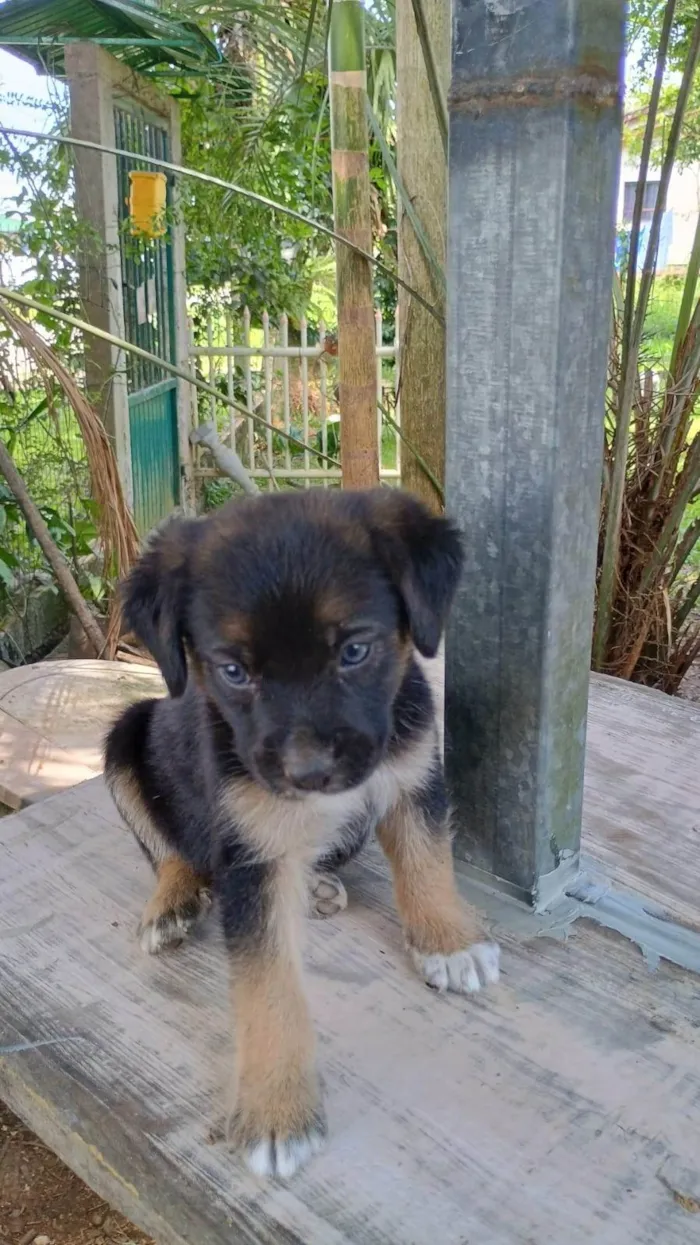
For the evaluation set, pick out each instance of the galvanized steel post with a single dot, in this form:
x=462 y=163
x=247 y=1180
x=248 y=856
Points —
x=535 y=119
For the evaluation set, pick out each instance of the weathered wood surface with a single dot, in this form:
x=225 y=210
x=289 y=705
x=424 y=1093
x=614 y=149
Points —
x=556 y=1110
x=53 y=719
x=642 y=794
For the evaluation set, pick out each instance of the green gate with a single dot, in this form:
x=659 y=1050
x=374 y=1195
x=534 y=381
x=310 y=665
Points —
x=149 y=322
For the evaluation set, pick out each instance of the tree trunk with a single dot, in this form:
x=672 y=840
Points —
x=351 y=205
x=423 y=171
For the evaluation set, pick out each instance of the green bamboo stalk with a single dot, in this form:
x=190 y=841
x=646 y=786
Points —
x=688 y=603
x=613 y=526
x=33 y=304
x=686 y=307
x=353 y=222
x=631 y=280
x=680 y=393
x=685 y=547
x=239 y=190
x=688 y=484
x=435 y=266
x=307 y=40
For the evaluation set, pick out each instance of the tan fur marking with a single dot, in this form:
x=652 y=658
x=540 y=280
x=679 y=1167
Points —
x=235 y=629
x=177 y=885
x=273 y=825
x=434 y=918
x=334 y=606
x=127 y=797
x=275 y=1088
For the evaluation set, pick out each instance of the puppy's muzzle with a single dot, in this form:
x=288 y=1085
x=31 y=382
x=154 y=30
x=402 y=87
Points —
x=308 y=768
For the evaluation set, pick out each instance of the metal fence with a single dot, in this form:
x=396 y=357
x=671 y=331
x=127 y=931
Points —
x=292 y=385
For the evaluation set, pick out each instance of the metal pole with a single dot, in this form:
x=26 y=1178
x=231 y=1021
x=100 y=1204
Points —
x=534 y=149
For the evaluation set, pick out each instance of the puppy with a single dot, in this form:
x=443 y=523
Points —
x=298 y=721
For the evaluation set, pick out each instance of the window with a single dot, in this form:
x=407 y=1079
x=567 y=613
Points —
x=651 y=193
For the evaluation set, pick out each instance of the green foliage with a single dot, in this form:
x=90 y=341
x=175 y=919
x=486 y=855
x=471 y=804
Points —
x=235 y=244
x=263 y=122
x=50 y=236
x=644 y=27
x=20 y=553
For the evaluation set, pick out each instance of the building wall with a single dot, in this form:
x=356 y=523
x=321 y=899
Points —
x=682 y=210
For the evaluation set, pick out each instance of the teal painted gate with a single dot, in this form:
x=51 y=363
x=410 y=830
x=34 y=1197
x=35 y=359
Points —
x=149 y=322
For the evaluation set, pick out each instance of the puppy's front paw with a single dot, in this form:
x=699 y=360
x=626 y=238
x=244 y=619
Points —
x=275 y=1149
x=282 y=1156
x=328 y=895
x=463 y=972
x=159 y=930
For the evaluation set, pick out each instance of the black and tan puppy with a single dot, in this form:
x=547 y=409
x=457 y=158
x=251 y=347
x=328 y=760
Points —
x=286 y=629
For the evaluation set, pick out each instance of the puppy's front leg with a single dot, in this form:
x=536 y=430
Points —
x=277 y=1120
x=442 y=933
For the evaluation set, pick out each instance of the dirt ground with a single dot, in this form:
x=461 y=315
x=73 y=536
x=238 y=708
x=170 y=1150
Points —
x=42 y=1201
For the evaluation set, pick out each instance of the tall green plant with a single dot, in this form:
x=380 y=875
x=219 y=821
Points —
x=647 y=589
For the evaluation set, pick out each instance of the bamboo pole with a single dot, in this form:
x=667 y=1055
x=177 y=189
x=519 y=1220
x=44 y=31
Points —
x=52 y=553
x=351 y=206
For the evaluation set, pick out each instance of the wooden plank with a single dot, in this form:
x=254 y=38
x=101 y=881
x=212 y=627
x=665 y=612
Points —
x=641 y=810
x=549 y=1110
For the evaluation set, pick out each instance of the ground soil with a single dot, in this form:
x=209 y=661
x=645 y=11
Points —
x=41 y=1200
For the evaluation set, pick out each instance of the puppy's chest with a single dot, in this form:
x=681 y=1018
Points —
x=311 y=825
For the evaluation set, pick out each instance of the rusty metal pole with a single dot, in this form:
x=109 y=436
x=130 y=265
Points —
x=535 y=117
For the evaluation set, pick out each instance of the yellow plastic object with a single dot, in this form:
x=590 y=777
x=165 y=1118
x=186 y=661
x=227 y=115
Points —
x=147 y=200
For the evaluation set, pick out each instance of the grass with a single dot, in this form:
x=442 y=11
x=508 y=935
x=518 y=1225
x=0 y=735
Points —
x=662 y=319
x=659 y=335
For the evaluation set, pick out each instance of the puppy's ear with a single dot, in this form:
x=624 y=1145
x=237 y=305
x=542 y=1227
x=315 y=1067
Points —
x=422 y=554
x=154 y=600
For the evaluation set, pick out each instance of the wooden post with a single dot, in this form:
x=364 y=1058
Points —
x=97 y=81
x=351 y=206
x=534 y=149
x=88 y=69
x=423 y=170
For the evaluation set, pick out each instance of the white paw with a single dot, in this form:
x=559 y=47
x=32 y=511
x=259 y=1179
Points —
x=171 y=928
x=464 y=972
x=273 y=1157
x=328 y=895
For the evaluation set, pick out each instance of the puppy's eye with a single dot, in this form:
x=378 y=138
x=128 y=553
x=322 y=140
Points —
x=353 y=653
x=234 y=674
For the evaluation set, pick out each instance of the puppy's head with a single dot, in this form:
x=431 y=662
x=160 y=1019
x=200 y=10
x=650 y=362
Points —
x=297 y=613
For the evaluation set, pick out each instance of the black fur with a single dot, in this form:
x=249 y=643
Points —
x=280 y=565
x=432 y=798
x=285 y=628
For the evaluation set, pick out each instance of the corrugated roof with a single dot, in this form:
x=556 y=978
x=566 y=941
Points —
x=137 y=34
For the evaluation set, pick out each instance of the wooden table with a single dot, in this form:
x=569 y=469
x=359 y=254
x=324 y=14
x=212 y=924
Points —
x=561 y=1108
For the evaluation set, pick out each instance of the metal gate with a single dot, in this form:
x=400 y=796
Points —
x=149 y=321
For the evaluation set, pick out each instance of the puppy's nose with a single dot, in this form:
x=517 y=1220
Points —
x=308 y=770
